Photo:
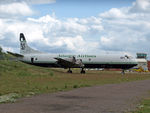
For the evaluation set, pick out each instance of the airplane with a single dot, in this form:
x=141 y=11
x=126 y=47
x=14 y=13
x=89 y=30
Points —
x=35 y=57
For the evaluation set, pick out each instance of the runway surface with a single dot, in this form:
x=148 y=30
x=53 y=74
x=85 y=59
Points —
x=111 y=98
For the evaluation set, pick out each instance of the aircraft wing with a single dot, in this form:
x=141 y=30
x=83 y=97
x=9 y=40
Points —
x=68 y=63
x=15 y=54
x=64 y=62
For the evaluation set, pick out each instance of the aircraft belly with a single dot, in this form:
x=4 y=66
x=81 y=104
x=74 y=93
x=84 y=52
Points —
x=122 y=66
x=45 y=64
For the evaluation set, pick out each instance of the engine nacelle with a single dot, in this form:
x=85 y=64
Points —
x=79 y=62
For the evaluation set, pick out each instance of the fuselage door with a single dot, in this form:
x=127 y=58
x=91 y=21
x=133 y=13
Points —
x=32 y=60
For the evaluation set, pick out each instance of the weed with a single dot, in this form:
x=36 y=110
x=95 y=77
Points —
x=75 y=86
x=144 y=107
x=24 y=73
x=9 y=98
x=66 y=86
x=47 y=87
x=51 y=74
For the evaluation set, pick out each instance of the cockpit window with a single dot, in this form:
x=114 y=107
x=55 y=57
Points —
x=125 y=57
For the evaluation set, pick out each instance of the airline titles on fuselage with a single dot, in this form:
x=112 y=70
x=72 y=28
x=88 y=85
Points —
x=77 y=56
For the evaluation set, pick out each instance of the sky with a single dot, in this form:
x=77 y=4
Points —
x=77 y=26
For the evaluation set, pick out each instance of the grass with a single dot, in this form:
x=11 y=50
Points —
x=24 y=79
x=144 y=106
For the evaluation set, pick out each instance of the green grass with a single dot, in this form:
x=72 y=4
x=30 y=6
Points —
x=144 y=106
x=24 y=79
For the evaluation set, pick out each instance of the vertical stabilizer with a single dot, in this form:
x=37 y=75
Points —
x=24 y=48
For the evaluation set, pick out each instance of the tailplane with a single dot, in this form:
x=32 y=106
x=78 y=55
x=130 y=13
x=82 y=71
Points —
x=24 y=48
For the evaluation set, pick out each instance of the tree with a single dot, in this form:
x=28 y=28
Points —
x=0 y=49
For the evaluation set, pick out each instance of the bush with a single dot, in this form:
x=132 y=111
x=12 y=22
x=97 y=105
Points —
x=9 y=98
x=75 y=86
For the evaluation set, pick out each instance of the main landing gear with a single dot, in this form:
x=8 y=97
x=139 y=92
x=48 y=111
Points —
x=69 y=71
x=123 y=72
x=82 y=71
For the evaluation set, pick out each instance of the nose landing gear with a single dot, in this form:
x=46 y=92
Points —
x=123 y=72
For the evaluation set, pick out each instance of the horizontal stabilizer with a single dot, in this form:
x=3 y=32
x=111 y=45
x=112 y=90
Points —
x=15 y=54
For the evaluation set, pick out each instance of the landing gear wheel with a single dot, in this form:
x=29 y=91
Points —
x=69 y=71
x=82 y=71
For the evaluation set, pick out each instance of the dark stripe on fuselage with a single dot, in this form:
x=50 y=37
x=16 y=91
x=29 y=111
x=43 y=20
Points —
x=119 y=66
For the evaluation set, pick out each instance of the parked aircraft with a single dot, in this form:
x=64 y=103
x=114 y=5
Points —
x=34 y=57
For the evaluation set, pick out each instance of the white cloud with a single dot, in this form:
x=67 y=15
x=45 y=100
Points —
x=40 y=1
x=140 y=6
x=51 y=32
x=127 y=29
x=119 y=29
x=5 y=49
x=76 y=44
x=45 y=19
x=71 y=42
x=113 y=13
x=2 y=29
x=92 y=19
x=15 y=9
x=97 y=27
x=28 y=1
x=68 y=27
x=105 y=40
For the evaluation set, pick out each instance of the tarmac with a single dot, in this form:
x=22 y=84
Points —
x=110 y=98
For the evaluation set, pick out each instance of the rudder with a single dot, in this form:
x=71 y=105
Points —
x=24 y=48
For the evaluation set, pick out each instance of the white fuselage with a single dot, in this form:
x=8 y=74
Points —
x=90 y=61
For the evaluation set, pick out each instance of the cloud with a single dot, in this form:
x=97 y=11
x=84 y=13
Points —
x=51 y=34
x=68 y=27
x=15 y=9
x=113 y=13
x=68 y=33
x=76 y=44
x=123 y=29
x=28 y=1
x=140 y=6
x=126 y=29
x=40 y=1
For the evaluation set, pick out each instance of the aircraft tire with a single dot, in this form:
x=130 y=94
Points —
x=69 y=71
x=82 y=72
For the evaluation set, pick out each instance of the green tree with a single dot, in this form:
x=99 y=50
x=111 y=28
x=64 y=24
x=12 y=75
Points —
x=0 y=50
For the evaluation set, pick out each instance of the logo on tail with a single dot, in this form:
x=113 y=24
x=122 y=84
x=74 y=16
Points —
x=22 y=41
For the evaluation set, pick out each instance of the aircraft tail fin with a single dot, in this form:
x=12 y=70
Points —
x=24 y=48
